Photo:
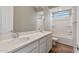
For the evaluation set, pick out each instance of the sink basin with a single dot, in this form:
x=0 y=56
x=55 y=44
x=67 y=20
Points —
x=24 y=38
x=16 y=40
x=13 y=43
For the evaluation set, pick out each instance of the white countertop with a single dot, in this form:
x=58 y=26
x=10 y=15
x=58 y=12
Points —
x=13 y=44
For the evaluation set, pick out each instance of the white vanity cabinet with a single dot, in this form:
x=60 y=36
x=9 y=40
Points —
x=49 y=43
x=41 y=45
x=45 y=44
x=30 y=48
x=34 y=50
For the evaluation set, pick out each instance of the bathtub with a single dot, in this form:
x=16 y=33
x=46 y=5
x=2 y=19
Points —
x=65 y=39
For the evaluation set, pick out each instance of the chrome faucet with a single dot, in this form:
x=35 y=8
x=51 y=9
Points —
x=40 y=29
x=16 y=34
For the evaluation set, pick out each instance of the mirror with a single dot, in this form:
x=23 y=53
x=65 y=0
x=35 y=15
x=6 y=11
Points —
x=23 y=18
x=27 y=18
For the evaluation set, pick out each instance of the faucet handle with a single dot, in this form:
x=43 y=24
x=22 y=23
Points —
x=11 y=31
x=17 y=34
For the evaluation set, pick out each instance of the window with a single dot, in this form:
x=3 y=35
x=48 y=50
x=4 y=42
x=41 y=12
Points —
x=61 y=14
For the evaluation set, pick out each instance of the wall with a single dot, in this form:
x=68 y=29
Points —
x=47 y=19
x=78 y=26
x=24 y=19
x=0 y=21
x=6 y=21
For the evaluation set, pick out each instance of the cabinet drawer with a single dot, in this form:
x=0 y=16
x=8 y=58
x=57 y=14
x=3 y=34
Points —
x=28 y=48
x=42 y=48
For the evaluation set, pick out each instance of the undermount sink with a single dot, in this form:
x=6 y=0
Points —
x=18 y=40
x=24 y=38
x=12 y=42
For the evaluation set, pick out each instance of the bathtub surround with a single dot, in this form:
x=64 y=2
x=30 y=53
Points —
x=63 y=19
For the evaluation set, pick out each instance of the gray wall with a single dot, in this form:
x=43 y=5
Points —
x=24 y=19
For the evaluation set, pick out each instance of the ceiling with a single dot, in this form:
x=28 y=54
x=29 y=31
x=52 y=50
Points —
x=40 y=8
x=52 y=7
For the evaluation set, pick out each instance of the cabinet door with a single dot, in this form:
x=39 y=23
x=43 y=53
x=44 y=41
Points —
x=34 y=50
x=42 y=48
x=28 y=48
x=49 y=43
x=42 y=45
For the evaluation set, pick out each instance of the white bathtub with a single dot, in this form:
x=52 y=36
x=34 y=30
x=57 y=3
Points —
x=65 y=39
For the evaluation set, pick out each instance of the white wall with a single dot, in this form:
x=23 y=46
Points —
x=6 y=19
x=0 y=21
x=24 y=19
x=78 y=26
x=47 y=19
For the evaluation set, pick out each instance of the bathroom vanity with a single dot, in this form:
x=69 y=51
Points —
x=38 y=42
